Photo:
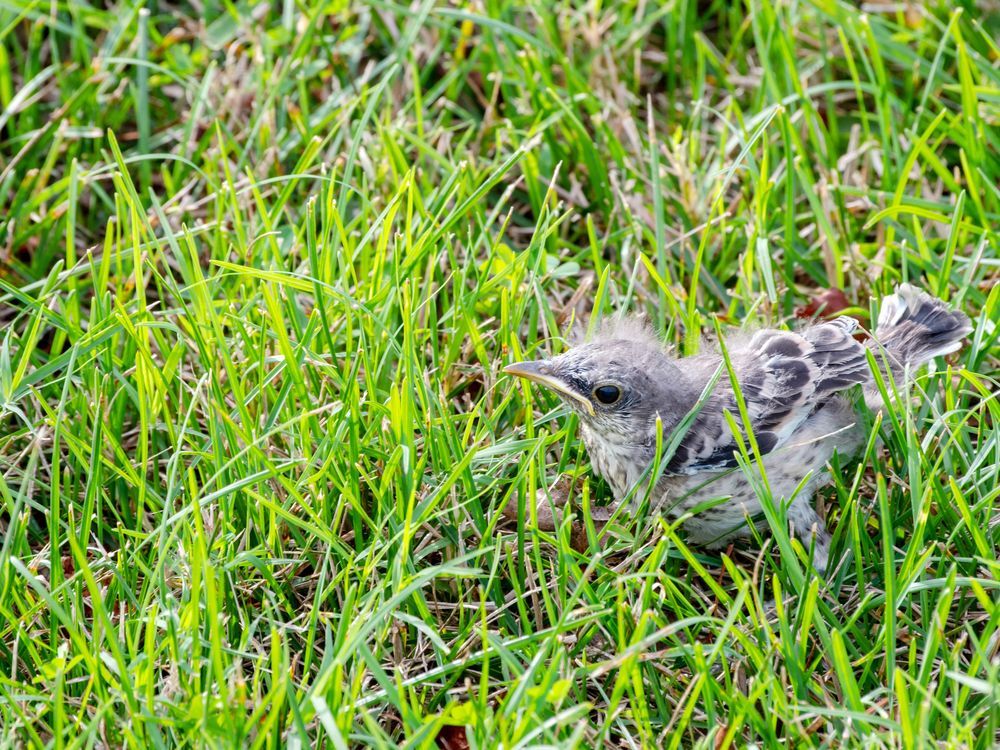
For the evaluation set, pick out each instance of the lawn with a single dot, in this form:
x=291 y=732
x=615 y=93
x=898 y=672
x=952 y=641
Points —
x=261 y=267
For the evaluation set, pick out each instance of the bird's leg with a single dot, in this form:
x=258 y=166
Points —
x=810 y=530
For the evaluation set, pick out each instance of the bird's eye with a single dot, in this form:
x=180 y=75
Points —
x=607 y=394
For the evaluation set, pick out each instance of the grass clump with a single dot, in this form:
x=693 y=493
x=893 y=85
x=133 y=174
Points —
x=260 y=268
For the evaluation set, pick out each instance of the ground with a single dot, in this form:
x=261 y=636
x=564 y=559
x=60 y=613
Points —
x=260 y=269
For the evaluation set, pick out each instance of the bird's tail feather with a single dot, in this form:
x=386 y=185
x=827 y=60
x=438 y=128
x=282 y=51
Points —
x=912 y=329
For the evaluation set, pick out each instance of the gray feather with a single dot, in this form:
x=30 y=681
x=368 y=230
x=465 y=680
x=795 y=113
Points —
x=783 y=376
x=914 y=327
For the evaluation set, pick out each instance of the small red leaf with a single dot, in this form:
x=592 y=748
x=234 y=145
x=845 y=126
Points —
x=826 y=304
x=452 y=737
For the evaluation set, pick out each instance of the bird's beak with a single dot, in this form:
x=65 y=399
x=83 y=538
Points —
x=540 y=373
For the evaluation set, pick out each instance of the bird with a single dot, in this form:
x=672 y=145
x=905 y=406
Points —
x=799 y=392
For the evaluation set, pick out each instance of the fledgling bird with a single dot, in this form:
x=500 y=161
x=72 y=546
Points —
x=792 y=383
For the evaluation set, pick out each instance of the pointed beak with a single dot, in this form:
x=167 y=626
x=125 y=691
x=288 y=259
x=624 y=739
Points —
x=540 y=372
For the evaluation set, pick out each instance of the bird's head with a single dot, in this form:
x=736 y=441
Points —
x=618 y=386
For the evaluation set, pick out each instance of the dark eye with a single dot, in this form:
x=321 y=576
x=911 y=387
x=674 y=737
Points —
x=607 y=394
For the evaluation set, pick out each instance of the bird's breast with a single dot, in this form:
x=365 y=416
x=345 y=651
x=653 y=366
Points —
x=618 y=463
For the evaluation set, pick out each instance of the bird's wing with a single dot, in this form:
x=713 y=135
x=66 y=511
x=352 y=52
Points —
x=783 y=376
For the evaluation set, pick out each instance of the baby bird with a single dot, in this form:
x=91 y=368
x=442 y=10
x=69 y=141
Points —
x=793 y=387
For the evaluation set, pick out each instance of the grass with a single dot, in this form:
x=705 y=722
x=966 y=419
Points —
x=260 y=269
